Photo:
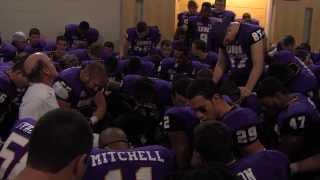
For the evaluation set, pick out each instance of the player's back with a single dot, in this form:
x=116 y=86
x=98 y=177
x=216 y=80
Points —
x=13 y=155
x=145 y=163
x=264 y=165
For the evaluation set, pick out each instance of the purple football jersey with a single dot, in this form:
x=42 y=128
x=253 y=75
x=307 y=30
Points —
x=183 y=18
x=300 y=118
x=264 y=165
x=162 y=87
x=70 y=89
x=7 y=52
x=238 y=52
x=151 y=162
x=169 y=68
x=200 y=28
x=76 y=40
x=223 y=16
x=180 y=119
x=13 y=156
x=210 y=60
x=143 y=46
x=244 y=125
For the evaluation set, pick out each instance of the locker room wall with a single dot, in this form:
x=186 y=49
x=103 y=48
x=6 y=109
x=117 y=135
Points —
x=288 y=18
x=51 y=16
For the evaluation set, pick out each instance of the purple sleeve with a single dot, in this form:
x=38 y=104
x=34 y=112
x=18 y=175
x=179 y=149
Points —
x=256 y=34
x=92 y=35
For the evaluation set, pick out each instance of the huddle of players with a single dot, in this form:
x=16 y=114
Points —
x=275 y=113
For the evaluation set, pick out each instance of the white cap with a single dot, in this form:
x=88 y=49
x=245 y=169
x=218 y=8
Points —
x=19 y=36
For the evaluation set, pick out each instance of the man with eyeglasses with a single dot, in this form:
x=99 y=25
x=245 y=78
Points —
x=80 y=87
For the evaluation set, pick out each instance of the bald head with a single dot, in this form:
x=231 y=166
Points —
x=38 y=67
x=113 y=138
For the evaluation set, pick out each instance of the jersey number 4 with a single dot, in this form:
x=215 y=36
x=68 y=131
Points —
x=143 y=173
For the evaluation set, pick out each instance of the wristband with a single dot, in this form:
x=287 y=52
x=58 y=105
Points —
x=94 y=120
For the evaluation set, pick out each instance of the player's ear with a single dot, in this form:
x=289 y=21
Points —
x=80 y=165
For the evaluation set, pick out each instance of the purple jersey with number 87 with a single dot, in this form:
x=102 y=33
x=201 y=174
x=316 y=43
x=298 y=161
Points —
x=13 y=155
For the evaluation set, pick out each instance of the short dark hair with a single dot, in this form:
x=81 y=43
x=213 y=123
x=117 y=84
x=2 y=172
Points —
x=35 y=31
x=84 y=25
x=61 y=38
x=202 y=87
x=269 y=86
x=302 y=54
x=279 y=71
x=179 y=86
x=216 y=171
x=288 y=40
x=201 y=45
x=305 y=46
x=246 y=15
x=213 y=141
x=95 y=69
x=206 y=5
x=192 y=3
x=144 y=90
x=58 y=138
x=165 y=43
x=142 y=27
x=109 y=44
x=134 y=66
x=96 y=49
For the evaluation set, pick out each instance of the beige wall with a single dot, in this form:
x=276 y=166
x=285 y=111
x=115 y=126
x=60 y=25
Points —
x=156 y=12
x=289 y=19
x=51 y=16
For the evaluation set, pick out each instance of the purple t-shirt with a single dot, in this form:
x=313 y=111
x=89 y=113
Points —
x=264 y=165
x=76 y=40
x=151 y=162
x=239 y=60
x=143 y=46
x=17 y=145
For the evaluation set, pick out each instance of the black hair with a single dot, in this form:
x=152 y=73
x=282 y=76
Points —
x=34 y=31
x=179 y=86
x=134 y=66
x=61 y=38
x=246 y=16
x=109 y=44
x=202 y=87
x=213 y=171
x=192 y=3
x=84 y=25
x=144 y=90
x=302 y=54
x=213 y=141
x=96 y=49
x=270 y=86
x=142 y=27
x=111 y=64
x=288 y=41
x=204 y=74
x=58 y=138
x=305 y=46
x=165 y=43
x=206 y=5
x=201 y=45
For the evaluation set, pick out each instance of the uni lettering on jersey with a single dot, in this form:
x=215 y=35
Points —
x=25 y=127
x=111 y=157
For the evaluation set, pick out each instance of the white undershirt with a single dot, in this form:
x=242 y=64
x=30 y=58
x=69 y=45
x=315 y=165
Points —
x=38 y=100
